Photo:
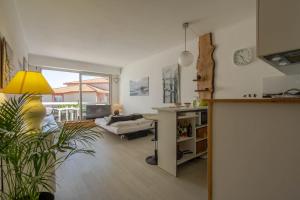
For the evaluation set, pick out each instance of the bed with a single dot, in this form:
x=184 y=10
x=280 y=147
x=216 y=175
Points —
x=125 y=127
x=135 y=127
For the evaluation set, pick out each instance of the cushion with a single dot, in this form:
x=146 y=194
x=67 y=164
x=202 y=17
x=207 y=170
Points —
x=121 y=118
x=49 y=110
x=137 y=116
x=107 y=119
x=49 y=124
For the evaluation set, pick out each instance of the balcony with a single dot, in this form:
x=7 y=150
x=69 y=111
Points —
x=66 y=111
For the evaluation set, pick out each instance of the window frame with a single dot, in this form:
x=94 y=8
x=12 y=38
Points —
x=83 y=73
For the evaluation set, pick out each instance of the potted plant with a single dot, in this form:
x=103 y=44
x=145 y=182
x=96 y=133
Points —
x=29 y=157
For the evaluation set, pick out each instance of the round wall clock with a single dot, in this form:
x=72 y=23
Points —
x=243 y=56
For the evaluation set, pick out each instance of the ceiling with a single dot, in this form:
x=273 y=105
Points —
x=118 y=32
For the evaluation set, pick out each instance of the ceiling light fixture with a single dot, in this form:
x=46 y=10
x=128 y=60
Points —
x=186 y=57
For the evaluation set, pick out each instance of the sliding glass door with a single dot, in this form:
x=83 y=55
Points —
x=73 y=91
x=95 y=90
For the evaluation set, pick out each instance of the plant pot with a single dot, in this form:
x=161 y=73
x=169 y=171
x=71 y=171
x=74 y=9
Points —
x=46 y=196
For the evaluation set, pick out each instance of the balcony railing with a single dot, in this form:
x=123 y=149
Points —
x=65 y=111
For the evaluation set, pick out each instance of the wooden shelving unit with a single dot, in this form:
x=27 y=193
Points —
x=201 y=126
x=182 y=139
x=200 y=139
x=185 y=158
x=201 y=154
x=187 y=117
x=197 y=143
x=170 y=141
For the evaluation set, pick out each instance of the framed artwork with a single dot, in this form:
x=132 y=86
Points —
x=171 y=84
x=6 y=69
x=1 y=54
x=139 y=87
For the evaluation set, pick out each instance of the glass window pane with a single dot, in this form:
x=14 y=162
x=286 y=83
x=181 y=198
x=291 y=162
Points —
x=64 y=103
x=95 y=91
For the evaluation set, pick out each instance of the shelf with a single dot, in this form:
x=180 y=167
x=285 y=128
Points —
x=187 y=116
x=201 y=153
x=200 y=139
x=201 y=126
x=186 y=158
x=182 y=139
x=203 y=90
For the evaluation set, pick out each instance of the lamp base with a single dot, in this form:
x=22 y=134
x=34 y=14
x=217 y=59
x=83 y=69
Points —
x=34 y=112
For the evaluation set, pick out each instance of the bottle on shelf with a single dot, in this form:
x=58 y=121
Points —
x=190 y=130
x=195 y=101
x=178 y=130
x=184 y=129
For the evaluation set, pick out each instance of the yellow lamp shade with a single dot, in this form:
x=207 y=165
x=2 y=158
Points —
x=28 y=82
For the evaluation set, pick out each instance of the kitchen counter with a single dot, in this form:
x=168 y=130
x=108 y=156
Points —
x=179 y=109
x=266 y=100
x=254 y=148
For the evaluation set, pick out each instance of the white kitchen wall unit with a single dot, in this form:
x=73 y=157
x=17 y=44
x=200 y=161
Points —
x=278 y=33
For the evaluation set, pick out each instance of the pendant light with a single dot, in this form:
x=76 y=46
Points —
x=186 y=57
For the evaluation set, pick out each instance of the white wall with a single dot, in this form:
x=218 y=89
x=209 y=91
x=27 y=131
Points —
x=72 y=97
x=10 y=28
x=59 y=63
x=231 y=81
x=152 y=67
x=278 y=84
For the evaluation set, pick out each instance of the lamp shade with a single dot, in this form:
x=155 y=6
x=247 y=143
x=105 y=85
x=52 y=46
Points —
x=28 y=82
x=185 y=59
x=117 y=107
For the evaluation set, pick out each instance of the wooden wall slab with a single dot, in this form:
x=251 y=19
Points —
x=205 y=67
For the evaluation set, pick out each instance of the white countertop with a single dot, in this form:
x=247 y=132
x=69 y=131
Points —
x=179 y=109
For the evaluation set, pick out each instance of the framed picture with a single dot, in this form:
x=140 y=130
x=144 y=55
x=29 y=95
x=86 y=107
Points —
x=6 y=67
x=139 y=87
x=1 y=54
x=171 y=84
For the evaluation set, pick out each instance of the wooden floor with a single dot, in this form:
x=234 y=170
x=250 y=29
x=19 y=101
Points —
x=118 y=172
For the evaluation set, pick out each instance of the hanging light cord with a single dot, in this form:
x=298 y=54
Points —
x=185 y=26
